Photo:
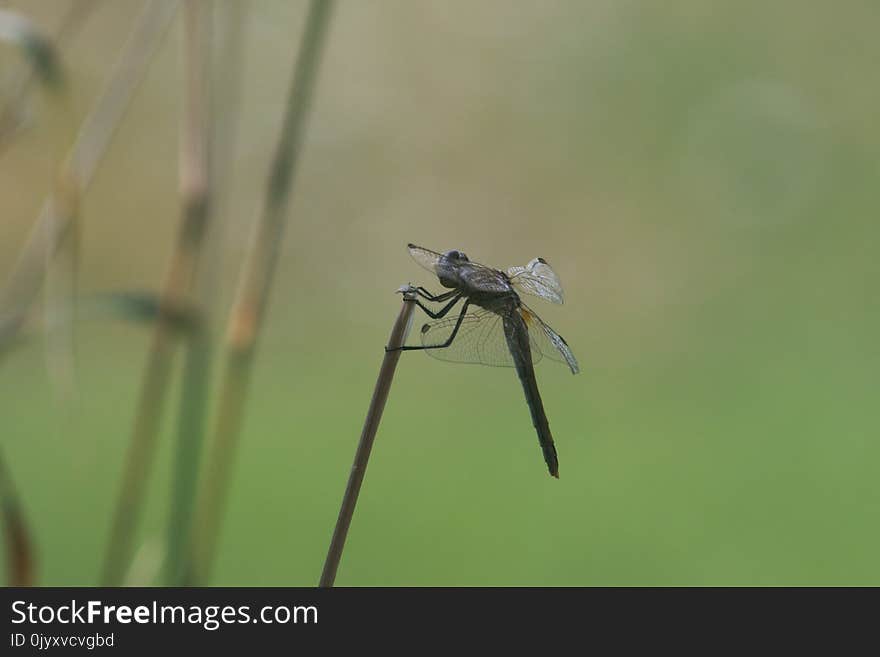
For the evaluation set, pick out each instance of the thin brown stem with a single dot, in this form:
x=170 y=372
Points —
x=399 y=332
x=246 y=316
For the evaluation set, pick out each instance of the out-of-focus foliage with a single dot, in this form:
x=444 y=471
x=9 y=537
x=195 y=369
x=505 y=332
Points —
x=702 y=176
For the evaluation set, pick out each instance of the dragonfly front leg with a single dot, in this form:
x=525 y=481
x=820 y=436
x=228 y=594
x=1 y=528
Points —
x=422 y=292
x=451 y=335
x=444 y=310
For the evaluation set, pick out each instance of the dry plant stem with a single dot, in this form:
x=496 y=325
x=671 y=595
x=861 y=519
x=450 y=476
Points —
x=255 y=282
x=197 y=196
x=368 y=435
x=225 y=112
x=225 y=98
x=176 y=293
x=228 y=63
x=94 y=137
x=19 y=546
x=61 y=282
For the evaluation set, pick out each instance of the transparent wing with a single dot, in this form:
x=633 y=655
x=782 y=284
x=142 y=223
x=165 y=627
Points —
x=480 y=339
x=537 y=278
x=483 y=278
x=425 y=257
x=548 y=341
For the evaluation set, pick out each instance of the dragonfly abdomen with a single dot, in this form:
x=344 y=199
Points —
x=517 y=334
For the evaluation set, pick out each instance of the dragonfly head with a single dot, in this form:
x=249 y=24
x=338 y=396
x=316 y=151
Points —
x=448 y=268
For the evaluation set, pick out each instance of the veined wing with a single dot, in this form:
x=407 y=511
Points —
x=476 y=274
x=548 y=341
x=483 y=278
x=425 y=257
x=480 y=339
x=537 y=278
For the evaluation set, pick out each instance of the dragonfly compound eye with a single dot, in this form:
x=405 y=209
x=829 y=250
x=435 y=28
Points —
x=456 y=256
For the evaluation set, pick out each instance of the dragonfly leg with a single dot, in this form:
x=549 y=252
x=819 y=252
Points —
x=422 y=292
x=440 y=313
x=451 y=335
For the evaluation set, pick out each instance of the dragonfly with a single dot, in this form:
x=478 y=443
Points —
x=493 y=326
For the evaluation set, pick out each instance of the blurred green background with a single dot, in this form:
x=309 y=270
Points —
x=701 y=175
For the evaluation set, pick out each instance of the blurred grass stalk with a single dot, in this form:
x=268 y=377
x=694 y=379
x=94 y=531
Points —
x=92 y=142
x=255 y=282
x=224 y=95
x=178 y=291
x=197 y=192
x=53 y=227
x=20 y=557
x=62 y=268
x=42 y=62
x=79 y=167
x=60 y=305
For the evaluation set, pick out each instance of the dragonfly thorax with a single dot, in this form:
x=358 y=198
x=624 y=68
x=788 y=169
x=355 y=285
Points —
x=449 y=268
x=501 y=303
